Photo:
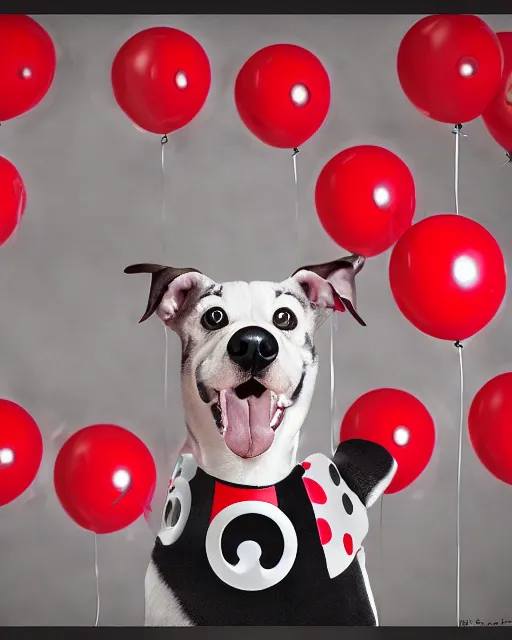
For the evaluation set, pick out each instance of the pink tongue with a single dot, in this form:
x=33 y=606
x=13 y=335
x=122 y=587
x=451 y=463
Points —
x=248 y=431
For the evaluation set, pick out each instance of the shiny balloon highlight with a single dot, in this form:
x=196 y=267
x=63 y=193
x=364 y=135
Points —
x=365 y=199
x=490 y=426
x=104 y=478
x=450 y=67
x=27 y=65
x=448 y=277
x=161 y=78
x=21 y=451
x=400 y=423
x=282 y=94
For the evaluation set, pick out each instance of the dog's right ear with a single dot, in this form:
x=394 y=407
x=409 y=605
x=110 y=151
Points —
x=169 y=288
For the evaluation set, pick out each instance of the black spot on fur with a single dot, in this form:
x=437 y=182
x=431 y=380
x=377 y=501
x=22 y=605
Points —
x=298 y=388
x=308 y=342
x=213 y=290
x=187 y=350
x=347 y=504
x=300 y=299
x=335 y=476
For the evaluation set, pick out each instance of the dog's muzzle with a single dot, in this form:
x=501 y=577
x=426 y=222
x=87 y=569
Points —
x=248 y=415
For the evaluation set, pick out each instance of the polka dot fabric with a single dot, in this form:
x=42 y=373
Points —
x=341 y=517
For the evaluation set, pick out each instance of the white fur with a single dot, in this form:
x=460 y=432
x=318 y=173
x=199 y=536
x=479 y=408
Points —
x=247 y=304
x=162 y=607
x=361 y=557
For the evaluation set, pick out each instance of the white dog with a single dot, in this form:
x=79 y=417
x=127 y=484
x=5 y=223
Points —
x=243 y=538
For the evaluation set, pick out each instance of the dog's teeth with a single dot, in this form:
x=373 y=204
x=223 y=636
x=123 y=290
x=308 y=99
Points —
x=217 y=416
x=283 y=401
x=276 y=418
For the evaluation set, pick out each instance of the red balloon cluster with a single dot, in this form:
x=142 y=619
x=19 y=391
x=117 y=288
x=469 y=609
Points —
x=27 y=68
x=104 y=477
x=400 y=423
x=282 y=94
x=365 y=199
x=450 y=67
x=448 y=276
x=161 y=79
x=497 y=116
x=21 y=451
x=490 y=426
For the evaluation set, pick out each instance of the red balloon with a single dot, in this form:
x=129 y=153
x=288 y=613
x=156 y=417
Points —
x=27 y=64
x=490 y=426
x=104 y=477
x=400 y=423
x=448 y=277
x=450 y=67
x=282 y=94
x=21 y=451
x=13 y=199
x=365 y=199
x=161 y=79
x=498 y=115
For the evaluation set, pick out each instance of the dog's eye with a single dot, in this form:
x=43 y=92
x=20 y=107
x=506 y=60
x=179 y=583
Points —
x=285 y=319
x=215 y=318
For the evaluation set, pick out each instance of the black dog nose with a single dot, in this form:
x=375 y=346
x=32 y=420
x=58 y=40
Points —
x=252 y=349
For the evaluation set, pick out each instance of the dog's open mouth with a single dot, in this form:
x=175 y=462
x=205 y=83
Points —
x=248 y=416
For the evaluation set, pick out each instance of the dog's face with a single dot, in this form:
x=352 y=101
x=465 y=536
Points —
x=249 y=362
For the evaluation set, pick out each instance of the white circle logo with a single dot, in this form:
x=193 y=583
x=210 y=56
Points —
x=248 y=574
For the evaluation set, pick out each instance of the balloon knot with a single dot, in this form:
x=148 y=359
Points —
x=295 y=151
x=458 y=344
x=457 y=131
x=164 y=139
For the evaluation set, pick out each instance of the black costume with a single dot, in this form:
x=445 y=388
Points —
x=289 y=554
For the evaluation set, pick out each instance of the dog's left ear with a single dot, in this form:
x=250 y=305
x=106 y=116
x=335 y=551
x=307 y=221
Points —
x=332 y=285
x=169 y=288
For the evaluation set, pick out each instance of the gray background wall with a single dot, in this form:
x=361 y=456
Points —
x=71 y=351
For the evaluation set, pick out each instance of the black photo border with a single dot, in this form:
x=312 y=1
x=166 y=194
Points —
x=248 y=7
x=167 y=8
x=256 y=633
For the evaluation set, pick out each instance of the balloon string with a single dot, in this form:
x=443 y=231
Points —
x=334 y=425
x=297 y=226
x=96 y=573
x=457 y=132
x=166 y=365
x=459 y=469
x=163 y=142
x=381 y=519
